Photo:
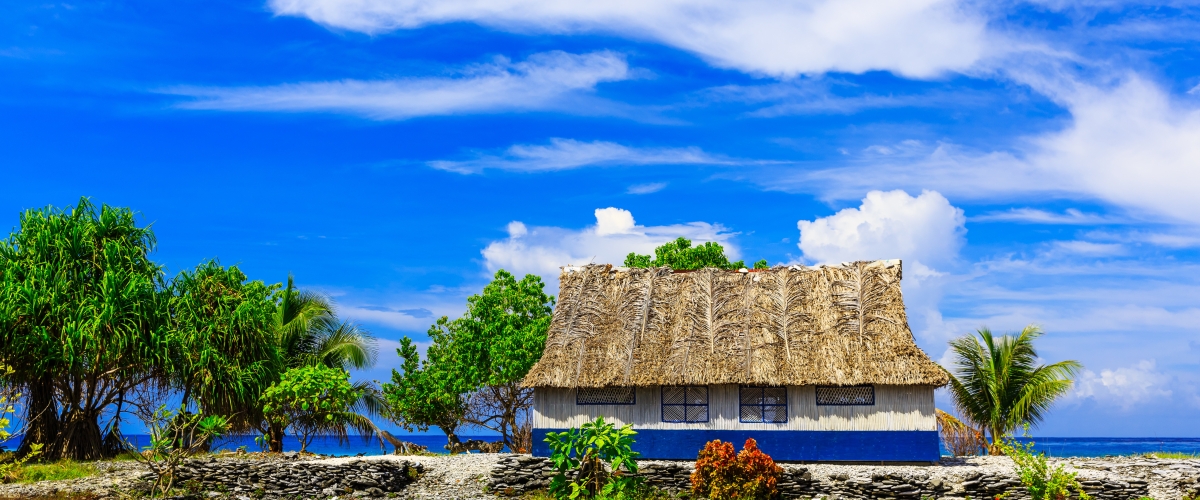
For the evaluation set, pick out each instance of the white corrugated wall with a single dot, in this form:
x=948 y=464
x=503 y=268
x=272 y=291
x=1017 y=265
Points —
x=896 y=408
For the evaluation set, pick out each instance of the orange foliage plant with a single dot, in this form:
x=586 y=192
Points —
x=749 y=475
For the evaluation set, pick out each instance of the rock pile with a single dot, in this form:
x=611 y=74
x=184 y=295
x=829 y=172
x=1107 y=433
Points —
x=315 y=479
x=975 y=478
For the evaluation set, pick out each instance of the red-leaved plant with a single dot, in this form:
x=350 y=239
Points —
x=749 y=475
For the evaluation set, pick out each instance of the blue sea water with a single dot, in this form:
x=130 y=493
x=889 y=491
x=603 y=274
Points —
x=1052 y=446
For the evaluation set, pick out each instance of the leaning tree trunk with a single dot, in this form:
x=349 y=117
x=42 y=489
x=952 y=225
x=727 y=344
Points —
x=41 y=416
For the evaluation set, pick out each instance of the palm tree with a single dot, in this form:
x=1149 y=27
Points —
x=310 y=333
x=999 y=384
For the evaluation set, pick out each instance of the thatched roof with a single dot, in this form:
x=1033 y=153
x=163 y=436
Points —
x=827 y=325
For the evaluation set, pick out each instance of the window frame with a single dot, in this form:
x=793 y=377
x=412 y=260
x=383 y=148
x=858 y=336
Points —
x=662 y=404
x=817 y=396
x=632 y=391
x=763 y=405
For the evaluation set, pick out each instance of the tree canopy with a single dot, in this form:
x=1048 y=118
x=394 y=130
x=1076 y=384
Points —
x=999 y=385
x=83 y=319
x=472 y=370
x=680 y=255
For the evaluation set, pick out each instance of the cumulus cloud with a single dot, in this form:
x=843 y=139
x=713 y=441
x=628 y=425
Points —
x=567 y=154
x=920 y=38
x=1125 y=386
x=542 y=250
x=925 y=231
x=555 y=80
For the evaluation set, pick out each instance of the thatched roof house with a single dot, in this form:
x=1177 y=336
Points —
x=633 y=344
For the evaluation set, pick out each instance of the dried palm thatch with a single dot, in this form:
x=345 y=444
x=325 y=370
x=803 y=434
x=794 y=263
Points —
x=960 y=439
x=828 y=325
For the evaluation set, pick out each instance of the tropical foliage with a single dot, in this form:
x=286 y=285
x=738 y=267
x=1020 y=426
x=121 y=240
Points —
x=1042 y=482
x=90 y=326
x=473 y=369
x=998 y=385
x=314 y=400
x=174 y=436
x=680 y=255
x=594 y=461
x=748 y=475
x=83 y=320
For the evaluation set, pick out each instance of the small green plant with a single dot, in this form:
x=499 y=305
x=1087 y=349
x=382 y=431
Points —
x=596 y=461
x=7 y=409
x=174 y=436
x=748 y=475
x=1042 y=482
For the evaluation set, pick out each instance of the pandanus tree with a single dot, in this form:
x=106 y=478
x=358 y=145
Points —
x=83 y=320
x=998 y=384
x=224 y=343
x=309 y=333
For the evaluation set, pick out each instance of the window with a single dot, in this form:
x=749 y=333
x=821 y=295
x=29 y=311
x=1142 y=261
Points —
x=605 y=396
x=853 y=395
x=764 y=404
x=685 y=404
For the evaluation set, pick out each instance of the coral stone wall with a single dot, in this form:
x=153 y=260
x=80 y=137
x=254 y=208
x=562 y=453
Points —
x=281 y=479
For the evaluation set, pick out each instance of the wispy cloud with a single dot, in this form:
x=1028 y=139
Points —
x=557 y=81
x=651 y=187
x=566 y=154
x=912 y=37
x=1070 y=216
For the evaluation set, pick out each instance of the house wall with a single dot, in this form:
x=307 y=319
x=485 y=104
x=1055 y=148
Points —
x=897 y=408
x=899 y=427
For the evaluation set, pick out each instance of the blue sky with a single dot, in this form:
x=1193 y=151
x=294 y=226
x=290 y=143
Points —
x=1031 y=162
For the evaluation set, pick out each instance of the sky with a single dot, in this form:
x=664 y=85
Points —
x=1030 y=162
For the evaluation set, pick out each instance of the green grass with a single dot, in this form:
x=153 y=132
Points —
x=35 y=472
x=1173 y=454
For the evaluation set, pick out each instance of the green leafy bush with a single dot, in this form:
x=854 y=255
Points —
x=748 y=475
x=595 y=461
x=680 y=255
x=312 y=400
x=1042 y=482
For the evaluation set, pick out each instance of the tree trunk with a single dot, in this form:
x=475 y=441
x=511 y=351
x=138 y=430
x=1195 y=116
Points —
x=274 y=438
x=79 y=438
x=41 y=416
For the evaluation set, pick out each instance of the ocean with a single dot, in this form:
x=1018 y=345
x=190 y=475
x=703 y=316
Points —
x=1052 y=446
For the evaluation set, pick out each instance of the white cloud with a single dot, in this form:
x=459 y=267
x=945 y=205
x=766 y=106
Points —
x=920 y=38
x=647 y=188
x=542 y=250
x=1130 y=145
x=1071 y=216
x=566 y=154
x=554 y=80
x=926 y=231
x=1088 y=248
x=1125 y=386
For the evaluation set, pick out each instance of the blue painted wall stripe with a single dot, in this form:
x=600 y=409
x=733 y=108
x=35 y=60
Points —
x=831 y=446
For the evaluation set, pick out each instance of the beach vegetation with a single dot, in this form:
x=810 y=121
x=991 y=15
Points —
x=314 y=400
x=174 y=437
x=473 y=368
x=999 y=385
x=83 y=320
x=680 y=255
x=595 y=460
x=746 y=475
x=1034 y=471
x=308 y=332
